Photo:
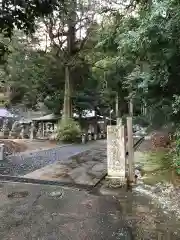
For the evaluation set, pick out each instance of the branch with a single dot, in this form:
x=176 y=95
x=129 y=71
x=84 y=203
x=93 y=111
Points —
x=126 y=7
x=60 y=31
x=83 y=42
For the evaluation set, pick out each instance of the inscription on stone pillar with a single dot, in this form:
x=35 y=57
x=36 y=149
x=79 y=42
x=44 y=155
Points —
x=116 y=152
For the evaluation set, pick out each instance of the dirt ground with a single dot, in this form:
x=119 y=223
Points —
x=32 y=145
x=24 y=145
x=13 y=147
x=145 y=146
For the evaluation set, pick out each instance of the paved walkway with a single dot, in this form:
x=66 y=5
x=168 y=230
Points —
x=39 y=212
x=42 y=212
x=85 y=168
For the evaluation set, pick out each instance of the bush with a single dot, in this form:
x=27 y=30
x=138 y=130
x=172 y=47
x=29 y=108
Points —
x=68 y=130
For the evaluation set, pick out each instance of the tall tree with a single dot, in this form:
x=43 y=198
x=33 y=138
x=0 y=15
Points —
x=69 y=26
x=68 y=32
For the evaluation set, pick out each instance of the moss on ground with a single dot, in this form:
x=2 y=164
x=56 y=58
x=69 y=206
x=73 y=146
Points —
x=161 y=176
x=156 y=166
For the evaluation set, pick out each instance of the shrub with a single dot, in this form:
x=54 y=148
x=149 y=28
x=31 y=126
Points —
x=68 y=130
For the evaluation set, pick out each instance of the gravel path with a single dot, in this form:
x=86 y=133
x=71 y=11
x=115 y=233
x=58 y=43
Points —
x=24 y=163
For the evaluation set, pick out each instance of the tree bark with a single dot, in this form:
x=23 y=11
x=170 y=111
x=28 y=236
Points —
x=71 y=44
x=67 y=108
x=117 y=106
x=131 y=107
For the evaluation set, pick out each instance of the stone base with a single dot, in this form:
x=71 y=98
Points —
x=115 y=182
x=11 y=137
x=52 y=137
x=89 y=137
x=99 y=136
x=83 y=139
x=4 y=135
x=4 y=167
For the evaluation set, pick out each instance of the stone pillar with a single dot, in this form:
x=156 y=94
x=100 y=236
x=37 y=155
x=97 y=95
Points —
x=95 y=136
x=119 y=121
x=22 y=132
x=1 y=134
x=32 y=131
x=83 y=138
x=116 y=152
x=1 y=152
x=43 y=131
x=40 y=131
x=2 y=160
x=89 y=137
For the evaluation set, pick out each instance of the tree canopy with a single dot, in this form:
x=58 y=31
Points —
x=131 y=51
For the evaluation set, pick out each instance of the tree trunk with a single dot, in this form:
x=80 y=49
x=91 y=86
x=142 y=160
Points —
x=96 y=122
x=67 y=108
x=117 y=106
x=71 y=44
x=131 y=107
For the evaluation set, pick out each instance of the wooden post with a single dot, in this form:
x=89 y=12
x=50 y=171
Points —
x=130 y=149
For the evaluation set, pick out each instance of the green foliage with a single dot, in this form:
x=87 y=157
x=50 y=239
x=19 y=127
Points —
x=68 y=130
x=141 y=120
x=39 y=76
x=22 y=15
x=159 y=160
x=34 y=76
x=176 y=152
x=156 y=166
x=126 y=56
x=142 y=57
